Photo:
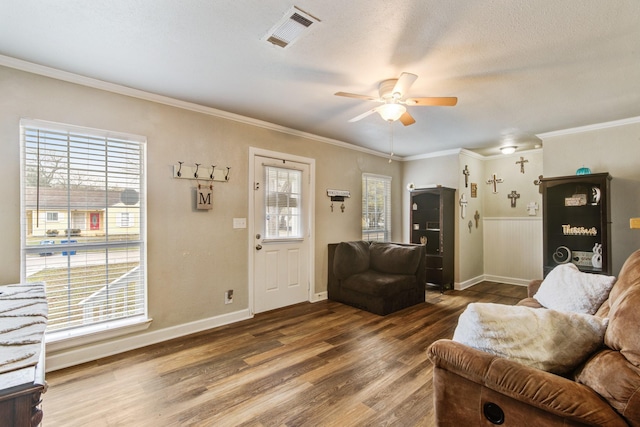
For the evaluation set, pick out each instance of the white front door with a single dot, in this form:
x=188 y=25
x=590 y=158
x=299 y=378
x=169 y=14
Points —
x=281 y=236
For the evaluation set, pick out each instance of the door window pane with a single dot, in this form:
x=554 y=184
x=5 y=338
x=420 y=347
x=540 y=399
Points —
x=283 y=202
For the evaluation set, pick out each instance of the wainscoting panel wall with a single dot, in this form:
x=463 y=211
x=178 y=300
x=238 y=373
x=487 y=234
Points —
x=513 y=249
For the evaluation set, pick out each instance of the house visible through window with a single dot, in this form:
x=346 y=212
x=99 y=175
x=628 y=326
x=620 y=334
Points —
x=376 y=207
x=123 y=219
x=83 y=225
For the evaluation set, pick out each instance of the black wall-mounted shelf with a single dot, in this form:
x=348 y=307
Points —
x=433 y=219
x=583 y=203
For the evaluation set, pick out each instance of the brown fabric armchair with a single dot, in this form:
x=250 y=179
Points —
x=474 y=388
x=379 y=277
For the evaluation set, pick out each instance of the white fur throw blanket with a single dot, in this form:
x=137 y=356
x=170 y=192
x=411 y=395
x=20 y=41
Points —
x=23 y=319
x=549 y=340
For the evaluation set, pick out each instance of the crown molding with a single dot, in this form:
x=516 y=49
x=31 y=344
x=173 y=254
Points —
x=66 y=76
x=434 y=154
x=472 y=154
x=589 y=128
x=514 y=154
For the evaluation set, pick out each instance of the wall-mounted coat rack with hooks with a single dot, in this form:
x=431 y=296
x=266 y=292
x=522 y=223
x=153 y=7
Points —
x=200 y=171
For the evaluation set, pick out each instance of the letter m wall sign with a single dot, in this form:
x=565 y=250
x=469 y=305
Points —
x=204 y=195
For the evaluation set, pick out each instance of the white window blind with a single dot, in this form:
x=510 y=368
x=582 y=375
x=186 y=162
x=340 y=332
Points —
x=92 y=258
x=283 y=203
x=376 y=207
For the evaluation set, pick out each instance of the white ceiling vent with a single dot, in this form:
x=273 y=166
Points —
x=290 y=27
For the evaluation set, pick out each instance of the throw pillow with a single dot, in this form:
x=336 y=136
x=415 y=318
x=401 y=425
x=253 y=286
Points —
x=568 y=289
x=549 y=340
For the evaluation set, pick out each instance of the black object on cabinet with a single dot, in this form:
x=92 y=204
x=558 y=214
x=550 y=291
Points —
x=433 y=225
x=577 y=218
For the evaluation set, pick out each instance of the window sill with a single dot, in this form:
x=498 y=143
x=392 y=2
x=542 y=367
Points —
x=80 y=336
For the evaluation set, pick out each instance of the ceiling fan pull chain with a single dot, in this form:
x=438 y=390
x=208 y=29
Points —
x=391 y=151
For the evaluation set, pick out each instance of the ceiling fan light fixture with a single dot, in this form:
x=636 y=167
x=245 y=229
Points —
x=508 y=149
x=391 y=112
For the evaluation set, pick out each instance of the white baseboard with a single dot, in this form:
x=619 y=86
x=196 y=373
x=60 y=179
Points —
x=75 y=356
x=320 y=296
x=507 y=280
x=458 y=286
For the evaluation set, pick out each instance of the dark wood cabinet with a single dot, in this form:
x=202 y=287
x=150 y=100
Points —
x=22 y=349
x=433 y=225
x=577 y=222
x=20 y=405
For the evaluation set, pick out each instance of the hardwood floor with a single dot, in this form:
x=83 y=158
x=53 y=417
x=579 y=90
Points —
x=320 y=364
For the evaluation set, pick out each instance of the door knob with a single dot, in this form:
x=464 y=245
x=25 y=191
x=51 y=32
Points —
x=258 y=247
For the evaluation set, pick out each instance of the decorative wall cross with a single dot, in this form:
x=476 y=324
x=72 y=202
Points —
x=495 y=181
x=521 y=163
x=466 y=173
x=476 y=217
x=513 y=196
x=463 y=205
x=531 y=208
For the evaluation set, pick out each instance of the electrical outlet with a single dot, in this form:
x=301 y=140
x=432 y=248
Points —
x=228 y=296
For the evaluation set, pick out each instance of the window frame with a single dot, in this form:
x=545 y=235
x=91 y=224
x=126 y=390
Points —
x=367 y=232
x=102 y=329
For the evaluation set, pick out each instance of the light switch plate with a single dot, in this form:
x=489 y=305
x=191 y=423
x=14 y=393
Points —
x=239 y=222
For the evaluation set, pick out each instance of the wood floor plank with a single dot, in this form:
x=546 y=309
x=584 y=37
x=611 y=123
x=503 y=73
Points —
x=320 y=364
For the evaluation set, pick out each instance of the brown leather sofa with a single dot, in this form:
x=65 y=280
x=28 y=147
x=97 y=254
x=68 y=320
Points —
x=473 y=388
x=378 y=277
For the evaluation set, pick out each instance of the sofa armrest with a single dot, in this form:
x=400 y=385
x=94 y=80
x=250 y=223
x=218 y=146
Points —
x=332 y=280
x=540 y=389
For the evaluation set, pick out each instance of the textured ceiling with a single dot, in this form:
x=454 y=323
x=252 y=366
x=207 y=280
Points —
x=518 y=68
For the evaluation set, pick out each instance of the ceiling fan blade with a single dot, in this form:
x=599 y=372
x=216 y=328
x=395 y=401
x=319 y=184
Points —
x=407 y=119
x=445 y=101
x=404 y=83
x=363 y=115
x=355 y=95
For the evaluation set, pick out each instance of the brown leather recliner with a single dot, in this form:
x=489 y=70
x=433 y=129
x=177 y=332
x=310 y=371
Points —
x=474 y=388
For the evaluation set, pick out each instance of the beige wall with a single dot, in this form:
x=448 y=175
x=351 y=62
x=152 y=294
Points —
x=193 y=256
x=499 y=205
x=430 y=171
x=512 y=252
x=613 y=148
x=469 y=256
x=512 y=238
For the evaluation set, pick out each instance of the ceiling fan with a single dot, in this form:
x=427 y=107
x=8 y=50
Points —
x=393 y=96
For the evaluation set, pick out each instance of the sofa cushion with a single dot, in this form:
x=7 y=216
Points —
x=376 y=284
x=394 y=259
x=568 y=289
x=549 y=340
x=350 y=258
x=624 y=315
x=623 y=334
x=610 y=375
x=629 y=276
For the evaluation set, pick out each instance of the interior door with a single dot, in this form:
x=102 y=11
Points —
x=281 y=233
